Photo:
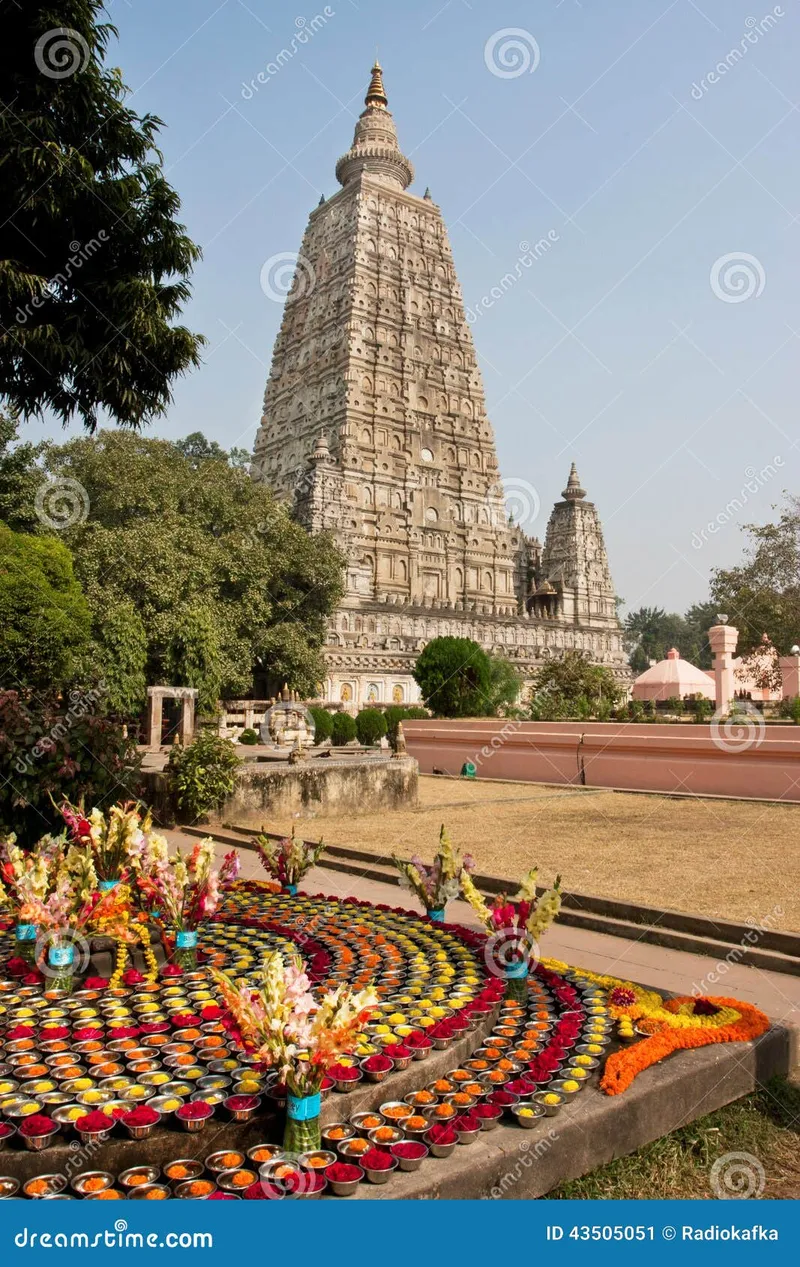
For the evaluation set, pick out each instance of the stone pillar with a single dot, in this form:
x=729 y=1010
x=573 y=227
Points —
x=790 y=674
x=723 y=639
x=155 y=709
x=186 y=730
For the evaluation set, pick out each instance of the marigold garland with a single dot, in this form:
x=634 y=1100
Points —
x=648 y=1005
x=623 y=1066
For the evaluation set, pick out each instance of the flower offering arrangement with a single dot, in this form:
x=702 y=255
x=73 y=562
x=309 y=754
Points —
x=439 y=883
x=186 y=890
x=282 y=1026
x=287 y=860
x=516 y=925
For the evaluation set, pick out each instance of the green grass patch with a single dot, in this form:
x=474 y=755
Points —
x=765 y=1124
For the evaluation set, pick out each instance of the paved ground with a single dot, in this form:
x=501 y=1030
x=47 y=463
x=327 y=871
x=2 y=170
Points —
x=720 y=858
x=675 y=970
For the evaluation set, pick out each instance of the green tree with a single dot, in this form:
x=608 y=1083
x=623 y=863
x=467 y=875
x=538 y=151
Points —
x=212 y=574
x=561 y=684
x=343 y=730
x=198 y=449
x=649 y=633
x=505 y=684
x=19 y=477
x=119 y=650
x=695 y=647
x=44 y=619
x=455 y=677
x=370 y=726
x=93 y=263
x=762 y=594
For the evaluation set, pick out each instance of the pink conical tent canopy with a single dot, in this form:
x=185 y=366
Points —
x=673 y=678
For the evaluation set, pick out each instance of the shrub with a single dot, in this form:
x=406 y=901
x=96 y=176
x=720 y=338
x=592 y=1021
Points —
x=323 y=724
x=370 y=726
x=60 y=748
x=568 y=679
x=455 y=677
x=702 y=709
x=636 y=710
x=249 y=737
x=343 y=730
x=202 y=776
x=396 y=713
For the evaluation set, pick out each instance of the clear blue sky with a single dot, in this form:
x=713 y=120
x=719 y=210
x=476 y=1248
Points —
x=614 y=348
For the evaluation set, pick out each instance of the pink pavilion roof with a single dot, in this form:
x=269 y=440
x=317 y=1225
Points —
x=673 y=678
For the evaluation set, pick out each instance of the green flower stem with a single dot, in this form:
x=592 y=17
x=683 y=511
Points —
x=301 y=1137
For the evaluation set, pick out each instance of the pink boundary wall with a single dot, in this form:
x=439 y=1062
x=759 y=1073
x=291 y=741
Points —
x=659 y=758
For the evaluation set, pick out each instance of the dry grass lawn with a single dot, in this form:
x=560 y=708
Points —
x=726 y=859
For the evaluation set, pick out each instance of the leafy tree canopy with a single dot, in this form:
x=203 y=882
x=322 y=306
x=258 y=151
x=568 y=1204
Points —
x=19 y=477
x=650 y=632
x=455 y=677
x=45 y=622
x=194 y=574
x=94 y=266
x=573 y=684
x=505 y=684
x=762 y=594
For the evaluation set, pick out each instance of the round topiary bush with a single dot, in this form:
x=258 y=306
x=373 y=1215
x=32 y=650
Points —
x=323 y=724
x=344 y=729
x=249 y=737
x=370 y=726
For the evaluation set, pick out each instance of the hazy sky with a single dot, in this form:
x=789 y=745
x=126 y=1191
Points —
x=655 y=340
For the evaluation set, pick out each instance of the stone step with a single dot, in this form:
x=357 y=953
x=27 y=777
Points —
x=725 y=941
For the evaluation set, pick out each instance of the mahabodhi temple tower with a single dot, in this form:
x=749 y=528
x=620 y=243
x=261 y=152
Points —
x=375 y=428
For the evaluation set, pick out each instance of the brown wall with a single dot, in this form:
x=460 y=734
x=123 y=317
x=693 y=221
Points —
x=752 y=761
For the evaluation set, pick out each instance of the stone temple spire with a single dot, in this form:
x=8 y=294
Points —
x=375 y=150
x=573 y=492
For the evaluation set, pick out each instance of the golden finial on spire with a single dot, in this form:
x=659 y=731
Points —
x=376 y=95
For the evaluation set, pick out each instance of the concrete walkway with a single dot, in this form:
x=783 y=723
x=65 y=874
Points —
x=775 y=993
